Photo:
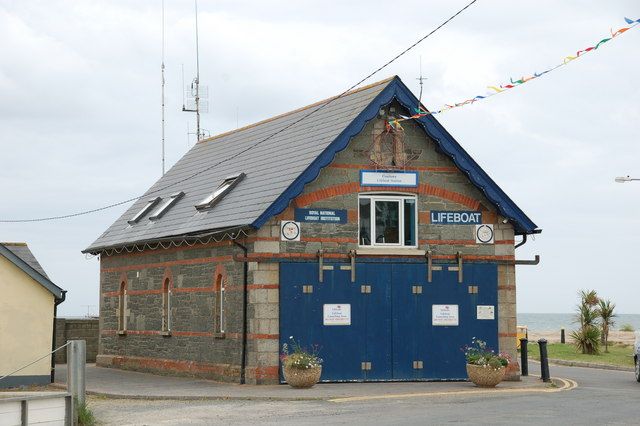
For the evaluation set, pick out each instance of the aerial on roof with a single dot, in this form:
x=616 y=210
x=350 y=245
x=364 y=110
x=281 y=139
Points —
x=20 y=255
x=196 y=197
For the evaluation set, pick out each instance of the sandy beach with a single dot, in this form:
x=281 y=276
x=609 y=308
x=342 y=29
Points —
x=615 y=336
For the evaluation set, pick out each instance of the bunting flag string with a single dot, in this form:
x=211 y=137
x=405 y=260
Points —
x=494 y=90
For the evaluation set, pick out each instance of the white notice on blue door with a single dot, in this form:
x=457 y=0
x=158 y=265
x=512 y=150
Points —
x=444 y=315
x=486 y=312
x=336 y=314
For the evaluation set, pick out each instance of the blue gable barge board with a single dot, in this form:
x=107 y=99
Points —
x=446 y=143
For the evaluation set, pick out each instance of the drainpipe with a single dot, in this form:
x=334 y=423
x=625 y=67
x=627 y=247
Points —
x=53 y=338
x=523 y=242
x=243 y=361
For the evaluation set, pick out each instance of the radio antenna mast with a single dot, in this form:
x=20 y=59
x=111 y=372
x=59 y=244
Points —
x=420 y=79
x=196 y=91
x=162 y=71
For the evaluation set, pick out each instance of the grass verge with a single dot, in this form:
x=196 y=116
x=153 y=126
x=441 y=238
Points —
x=85 y=415
x=619 y=354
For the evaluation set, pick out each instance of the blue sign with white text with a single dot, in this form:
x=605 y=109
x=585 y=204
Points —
x=456 y=218
x=320 y=215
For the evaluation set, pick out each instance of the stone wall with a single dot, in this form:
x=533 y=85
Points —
x=77 y=329
x=193 y=345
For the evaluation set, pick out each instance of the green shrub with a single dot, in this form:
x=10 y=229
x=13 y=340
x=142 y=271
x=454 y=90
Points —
x=299 y=357
x=479 y=354
x=627 y=327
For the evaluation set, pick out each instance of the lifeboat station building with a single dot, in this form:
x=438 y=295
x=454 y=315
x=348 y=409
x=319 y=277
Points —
x=383 y=243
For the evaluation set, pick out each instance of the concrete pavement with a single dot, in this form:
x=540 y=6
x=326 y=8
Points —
x=602 y=397
x=117 y=383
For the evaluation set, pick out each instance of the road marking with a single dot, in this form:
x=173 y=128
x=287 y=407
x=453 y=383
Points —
x=566 y=384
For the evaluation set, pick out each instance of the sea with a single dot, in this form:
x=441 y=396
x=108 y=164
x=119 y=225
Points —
x=552 y=322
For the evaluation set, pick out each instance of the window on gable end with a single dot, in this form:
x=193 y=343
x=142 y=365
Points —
x=146 y=209
x=387 y=220
x=227 y=185
x=164 y=207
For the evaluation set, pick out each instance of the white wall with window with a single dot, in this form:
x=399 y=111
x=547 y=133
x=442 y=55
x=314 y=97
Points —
x=386 y=220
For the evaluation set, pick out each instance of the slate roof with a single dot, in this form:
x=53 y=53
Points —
x=277 y=169
x=22 y=251
x=20 y=255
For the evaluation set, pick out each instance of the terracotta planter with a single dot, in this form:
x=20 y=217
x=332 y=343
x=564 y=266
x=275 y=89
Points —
x=485 y=376
x=301 y=377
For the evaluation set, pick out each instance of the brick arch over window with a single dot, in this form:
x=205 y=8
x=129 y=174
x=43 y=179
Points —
x=354 y=187
x=122 y=304
x=219 y=284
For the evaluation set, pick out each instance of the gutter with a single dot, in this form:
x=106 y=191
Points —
x=536 y=258
x=53 y=338
x=245 y=273
x=169 y=239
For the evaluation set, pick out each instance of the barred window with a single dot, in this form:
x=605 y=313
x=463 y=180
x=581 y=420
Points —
x=219 y=324
x=122 y=307
x=166 y=305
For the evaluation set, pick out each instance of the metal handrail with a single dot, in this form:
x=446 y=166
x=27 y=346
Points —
x=39 y=359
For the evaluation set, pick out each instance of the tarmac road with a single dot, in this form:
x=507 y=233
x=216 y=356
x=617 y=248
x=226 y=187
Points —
x=602 y=397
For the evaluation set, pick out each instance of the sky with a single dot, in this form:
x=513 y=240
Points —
x=80 y=115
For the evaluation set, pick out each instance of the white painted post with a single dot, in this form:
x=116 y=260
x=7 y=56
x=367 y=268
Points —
x=76 y=363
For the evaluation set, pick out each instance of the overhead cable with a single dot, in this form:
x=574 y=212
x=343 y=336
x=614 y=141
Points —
x=231 y=157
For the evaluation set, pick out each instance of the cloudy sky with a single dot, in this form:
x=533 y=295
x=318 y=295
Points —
x=80 y=113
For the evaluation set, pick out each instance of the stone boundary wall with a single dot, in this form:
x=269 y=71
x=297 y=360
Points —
x=77 y=329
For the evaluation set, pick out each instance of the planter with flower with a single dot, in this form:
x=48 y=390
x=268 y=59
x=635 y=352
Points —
x=485 y=368
x=301 y=367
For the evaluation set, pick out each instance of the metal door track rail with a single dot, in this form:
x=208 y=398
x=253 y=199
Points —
x=347 y=258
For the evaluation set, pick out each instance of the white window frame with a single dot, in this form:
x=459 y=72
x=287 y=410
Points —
x=219 y=307
x=221 y=319
x=400 y=198
x=166 y=306
x=122 y=308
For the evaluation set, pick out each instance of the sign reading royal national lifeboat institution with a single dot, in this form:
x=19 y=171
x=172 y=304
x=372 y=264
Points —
x=320 y=215
x=393 y=178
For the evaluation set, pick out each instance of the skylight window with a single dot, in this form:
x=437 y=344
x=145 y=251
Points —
x=166 y=206
x=146 y=209
x=227 y=185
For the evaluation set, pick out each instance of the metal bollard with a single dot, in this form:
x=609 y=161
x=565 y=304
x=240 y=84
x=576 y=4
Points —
x=562 y=335
x=76 y=363
x=524 y=357
x=544 y=361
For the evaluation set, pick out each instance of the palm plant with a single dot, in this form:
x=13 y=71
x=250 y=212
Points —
x=587 y=338
x=605 y=312
x=590 y=297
